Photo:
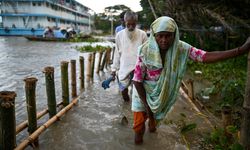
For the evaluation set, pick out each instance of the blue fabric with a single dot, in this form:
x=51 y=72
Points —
x=58 y=34
x=119 y=28
x=105 y=83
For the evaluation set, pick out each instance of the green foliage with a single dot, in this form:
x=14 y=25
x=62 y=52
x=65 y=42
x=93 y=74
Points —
x=228 y=78
x=225 y=140
x=182 y=124
x=80 y=39
x=102 y=23
x=146 y=16
x=188 y=128
x=89 y=48
x=117 y=9
x=103 y=20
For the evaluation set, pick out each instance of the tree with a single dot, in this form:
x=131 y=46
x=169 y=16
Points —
x=107 y=20
x=114 y=10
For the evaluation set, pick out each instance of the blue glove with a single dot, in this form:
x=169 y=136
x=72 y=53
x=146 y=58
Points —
x=105 y=83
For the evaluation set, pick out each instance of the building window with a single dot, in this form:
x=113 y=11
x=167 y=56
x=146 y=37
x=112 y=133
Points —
x=34 y=4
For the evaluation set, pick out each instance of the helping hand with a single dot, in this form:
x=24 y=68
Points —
x=246 y=46
x=113 y=74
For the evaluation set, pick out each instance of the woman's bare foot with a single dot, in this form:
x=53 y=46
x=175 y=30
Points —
x=138 y=138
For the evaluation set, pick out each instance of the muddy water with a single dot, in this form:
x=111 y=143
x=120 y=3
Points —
x=95 y=123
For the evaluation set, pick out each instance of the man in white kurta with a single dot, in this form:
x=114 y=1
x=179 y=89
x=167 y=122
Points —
x=127 y=42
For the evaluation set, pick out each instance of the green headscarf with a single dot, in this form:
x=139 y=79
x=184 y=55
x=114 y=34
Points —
x=161 y=95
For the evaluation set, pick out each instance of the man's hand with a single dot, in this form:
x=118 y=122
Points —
x=113 y=74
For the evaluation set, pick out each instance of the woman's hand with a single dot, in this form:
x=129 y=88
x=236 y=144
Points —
x=151 y=122
x=246 y=46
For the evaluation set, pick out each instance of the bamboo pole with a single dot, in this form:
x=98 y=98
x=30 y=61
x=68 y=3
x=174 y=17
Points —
x=81 y=60
x=39 y=115
x=99 y=62
x=24 y=124
x=50 y=90
x=89 y=67
x=190 y=86
x=103 y=61
x=73 y=78
x=113 y=55
x=65 y=82
x=182 y=92
x=7 y=120
x=42 y=128
x=93 y=66
x=245 y=124
x=152 y=8
x=108 y=57
x=30 y=91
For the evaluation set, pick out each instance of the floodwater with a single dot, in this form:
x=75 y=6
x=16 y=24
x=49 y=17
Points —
x=20 y=58
x=95 y=122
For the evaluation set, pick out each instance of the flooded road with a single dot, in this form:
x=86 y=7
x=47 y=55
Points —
x=95 y=123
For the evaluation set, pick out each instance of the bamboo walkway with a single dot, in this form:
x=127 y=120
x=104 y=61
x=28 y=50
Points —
x=96 y=123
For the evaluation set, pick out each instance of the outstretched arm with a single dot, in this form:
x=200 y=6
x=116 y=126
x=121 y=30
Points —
x=215 y=56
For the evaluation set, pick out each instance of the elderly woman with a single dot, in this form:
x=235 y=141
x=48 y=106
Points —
x=159 y=70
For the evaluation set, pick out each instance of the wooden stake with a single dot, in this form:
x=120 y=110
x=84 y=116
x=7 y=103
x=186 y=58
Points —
x=30 y=91
x=73 y=78
x=93 y=66
x=89 y=67
x=50 y=90
x=81 y=60
x=103 y=61
x=65 y=82
x=99 y=62
x=7 y=120
x=108 y=51
x=113 y=54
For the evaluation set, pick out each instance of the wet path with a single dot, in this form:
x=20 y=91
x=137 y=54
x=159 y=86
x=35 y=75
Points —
x=95 y=124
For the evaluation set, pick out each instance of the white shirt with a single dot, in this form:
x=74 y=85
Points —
x=126 y=51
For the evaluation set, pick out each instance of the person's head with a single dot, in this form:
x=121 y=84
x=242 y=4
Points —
x=130 y=19
x=122 y=18
x=164 y=30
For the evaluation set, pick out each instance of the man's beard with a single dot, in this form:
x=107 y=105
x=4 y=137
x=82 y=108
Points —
x=131 y=34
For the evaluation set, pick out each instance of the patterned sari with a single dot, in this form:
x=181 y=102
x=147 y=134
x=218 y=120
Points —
x=161 y=94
